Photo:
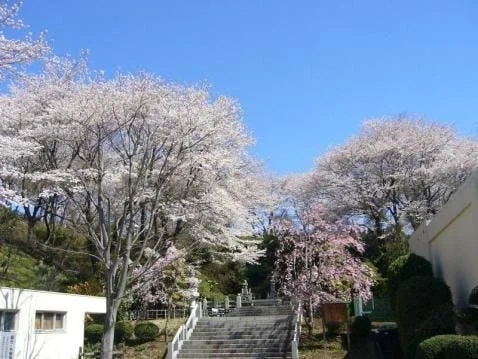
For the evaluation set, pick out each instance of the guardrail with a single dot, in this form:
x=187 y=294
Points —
x=185 y=330
x=297 y=330
x=154 y=314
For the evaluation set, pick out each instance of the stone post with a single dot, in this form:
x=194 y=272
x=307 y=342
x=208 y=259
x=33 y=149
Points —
x=204 y=307
x=238 y=301
x=226 y=303
x=295 y=350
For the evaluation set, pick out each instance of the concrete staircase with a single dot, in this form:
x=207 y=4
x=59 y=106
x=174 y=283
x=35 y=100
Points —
x=260 y=331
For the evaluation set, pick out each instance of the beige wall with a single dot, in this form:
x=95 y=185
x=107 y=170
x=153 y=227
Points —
x=450 y=241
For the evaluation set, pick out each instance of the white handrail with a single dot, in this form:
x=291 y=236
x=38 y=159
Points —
x=297 y=330
x=184 y=332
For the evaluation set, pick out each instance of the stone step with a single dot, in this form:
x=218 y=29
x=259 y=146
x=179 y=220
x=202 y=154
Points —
x=259 y=313
x=225 y=354
x=282 y=326
x=247 y=319
x=235 y=356
x=244 y=321
x=245 y=330
x=230 y=337
x=235 y=335
x=259 y=331
x=267 y=302
x=224 y=345
x=259 y=318
x=243 y=326
x=256 y=341
x=232 y=350
x=248 y=331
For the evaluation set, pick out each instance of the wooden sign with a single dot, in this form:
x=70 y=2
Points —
x=335 y=312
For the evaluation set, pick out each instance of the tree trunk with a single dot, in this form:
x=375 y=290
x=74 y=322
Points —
x=30 y=225
x=114 y=296
x=167 y=322
x=309 y=317
x=107 y=342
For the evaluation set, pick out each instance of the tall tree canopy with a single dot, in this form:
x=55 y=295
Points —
x=132 y=162
x=319 y=258
x=396 y=172
x=14 y=52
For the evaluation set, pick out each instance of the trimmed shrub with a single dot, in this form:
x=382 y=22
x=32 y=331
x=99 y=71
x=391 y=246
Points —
x=93 y=333
x=467 y=320
x=146 y=331
x=361 y=327
x=403 y=268
x=448 y=347
x=473 y=298
x=333 y=329
x=123 y=331
x=424 y=309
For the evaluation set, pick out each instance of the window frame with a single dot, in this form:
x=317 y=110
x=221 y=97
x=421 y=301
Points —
x=55 y=315
x=2 y=320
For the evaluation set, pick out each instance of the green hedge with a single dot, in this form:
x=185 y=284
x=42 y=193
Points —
x=93 y=333
x=403 y=268
x=449 y=347
x=146 y=331
x=123 y=331
x=424 y=309
x=361 y=327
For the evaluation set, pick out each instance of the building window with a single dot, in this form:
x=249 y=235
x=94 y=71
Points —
x=49 y=321
x=7 y=320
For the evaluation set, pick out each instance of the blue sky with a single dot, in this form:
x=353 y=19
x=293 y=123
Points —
x=306 y=73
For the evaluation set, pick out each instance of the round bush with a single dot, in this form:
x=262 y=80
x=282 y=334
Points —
x=93 y=333
x=473 y=298
x=333 y=328
x=146 y=331
x=361 y=327
x=403 y=268
x=448 y=347
x=123 y=331
x=424 y=309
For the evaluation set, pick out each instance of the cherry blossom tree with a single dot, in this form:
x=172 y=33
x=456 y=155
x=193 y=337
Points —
x=30 y=143
x=170 y=279
x=396 y=172
x=139 y=161
x=169 y=276
x=319 y=258
x=14 y=52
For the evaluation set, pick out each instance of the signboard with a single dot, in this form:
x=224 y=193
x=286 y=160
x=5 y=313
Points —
x=335 y=312
x=7 y=345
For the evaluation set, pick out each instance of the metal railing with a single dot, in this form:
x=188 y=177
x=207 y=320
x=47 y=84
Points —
x=155 y=314
x=185 y=331
x=297 y=330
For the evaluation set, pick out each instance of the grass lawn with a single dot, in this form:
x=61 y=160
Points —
x=154 y=349
x=17 y=269
x=316 y=347
x=321 y=349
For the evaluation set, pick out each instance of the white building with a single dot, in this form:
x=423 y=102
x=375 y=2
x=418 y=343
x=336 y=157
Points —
x=450 y=241
x=43 y=325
